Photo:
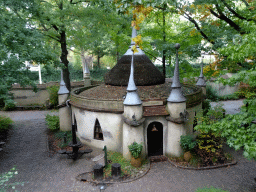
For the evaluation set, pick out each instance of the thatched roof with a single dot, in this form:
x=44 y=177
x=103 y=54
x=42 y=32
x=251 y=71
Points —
x=145 y=73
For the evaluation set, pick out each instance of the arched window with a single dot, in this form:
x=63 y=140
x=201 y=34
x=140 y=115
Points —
x=98 y=131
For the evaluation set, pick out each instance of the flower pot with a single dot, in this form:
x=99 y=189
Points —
x=136 y=162
x=187 y=156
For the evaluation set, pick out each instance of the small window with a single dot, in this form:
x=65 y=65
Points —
x=98 y=131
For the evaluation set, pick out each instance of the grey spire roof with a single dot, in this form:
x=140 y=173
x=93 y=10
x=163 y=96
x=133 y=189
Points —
x=201 y=81
x=63 y=89
x=132 y=96
x=176 y=95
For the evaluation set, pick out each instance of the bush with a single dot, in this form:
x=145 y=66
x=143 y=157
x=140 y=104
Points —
x=211 y=94
x=53 y=92
x=52 y=122
x=187 y=143
x=5 y=123
x=9 y=105
x=60 y=136
x=135 y=149
x=210 y=148
x=206 y=106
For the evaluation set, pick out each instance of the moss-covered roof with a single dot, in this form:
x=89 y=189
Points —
x=145 y=73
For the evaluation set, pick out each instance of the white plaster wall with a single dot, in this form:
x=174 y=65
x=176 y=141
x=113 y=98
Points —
x=191 y=111
x=130 y=135
x=175 y=130
x=111 y=125
x=160 y=119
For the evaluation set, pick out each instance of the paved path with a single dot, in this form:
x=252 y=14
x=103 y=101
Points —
x=26 y=148
x=231 y=107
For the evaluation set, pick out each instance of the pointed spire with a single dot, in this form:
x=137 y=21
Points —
x=129 y=51
x=63 y=89
x=176 y=95
x=132 y=96
x=201 y=81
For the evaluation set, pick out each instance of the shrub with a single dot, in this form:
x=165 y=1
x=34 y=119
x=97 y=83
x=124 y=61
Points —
x=210 y=148
x=52 y=122
x=5 y=123
x=211 y=94
x=53 y=98
x=187 y=143
x=135 y=149
x=206 y=106
x=60 y=136
x=9 y=105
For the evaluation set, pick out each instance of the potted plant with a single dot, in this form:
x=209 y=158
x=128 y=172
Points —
x=135 y=150
x=188 y=144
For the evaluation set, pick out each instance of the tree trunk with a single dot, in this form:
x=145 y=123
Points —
x=98 y=60
x=164 y=40
x=64 y=59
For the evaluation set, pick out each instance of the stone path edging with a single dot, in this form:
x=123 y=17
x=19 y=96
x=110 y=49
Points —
x=116 y=182
x=202 y=168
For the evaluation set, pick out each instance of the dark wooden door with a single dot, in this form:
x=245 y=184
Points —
x=155 y=139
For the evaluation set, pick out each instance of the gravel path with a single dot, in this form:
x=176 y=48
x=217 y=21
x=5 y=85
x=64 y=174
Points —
x=26 y=148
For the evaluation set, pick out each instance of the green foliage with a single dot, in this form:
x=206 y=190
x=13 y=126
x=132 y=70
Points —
x=98 y=74
x=210 y=148
x=237 y=129
x=187 y=143
x=210 y=189
x=52 y=122
x=5 y=123
x=211 y=94
x=229 y=97
x=135 y=149
x=53 y=98
x=115 y=157
x=18 y=43
x=5 y=177
x=9 y=105
x=247 y=80
x=60 y=136
x=206 y=106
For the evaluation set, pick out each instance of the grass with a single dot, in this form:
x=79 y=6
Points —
x=210 y=189
x=60 y=136
x=126 y=167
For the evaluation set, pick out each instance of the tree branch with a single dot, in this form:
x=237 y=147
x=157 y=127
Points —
x=234 y=12
x=226 y=19
x=198 y=28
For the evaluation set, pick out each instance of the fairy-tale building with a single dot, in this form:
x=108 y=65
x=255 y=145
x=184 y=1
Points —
x=136 y=103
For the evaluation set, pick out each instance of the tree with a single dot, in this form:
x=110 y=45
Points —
x=18 y=43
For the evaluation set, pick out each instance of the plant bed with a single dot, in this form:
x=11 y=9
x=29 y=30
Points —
x=197 y=163
x=128 y=172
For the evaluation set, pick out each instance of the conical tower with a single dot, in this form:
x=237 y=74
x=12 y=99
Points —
x=145 y=73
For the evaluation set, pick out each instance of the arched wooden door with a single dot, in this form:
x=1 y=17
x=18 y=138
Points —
x=155 y=139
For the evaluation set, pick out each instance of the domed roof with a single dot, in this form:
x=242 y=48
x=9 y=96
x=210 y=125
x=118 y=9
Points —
x=145 y=72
